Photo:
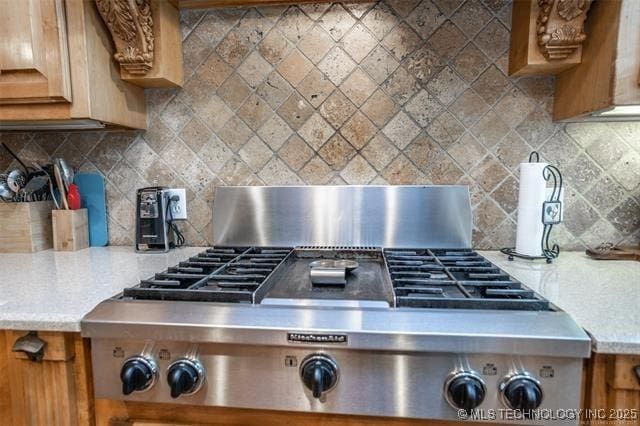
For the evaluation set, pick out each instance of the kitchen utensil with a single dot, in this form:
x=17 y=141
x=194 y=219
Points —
x=5 y=192
x=609 y=251
x=36 y=183
x=50 y=179
x=73 y=197
x=67 y=172
x=93 y=197
x=61 y=188
x=16 y=179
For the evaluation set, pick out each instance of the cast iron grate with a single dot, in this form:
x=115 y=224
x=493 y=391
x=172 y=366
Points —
x=219 y=274
x=456 y=279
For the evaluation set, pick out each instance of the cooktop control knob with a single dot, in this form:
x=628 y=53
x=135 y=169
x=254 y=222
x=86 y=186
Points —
x=185 y=376
x=319 y=374
x=138 y=374
x=465 y=390
x=521 y=392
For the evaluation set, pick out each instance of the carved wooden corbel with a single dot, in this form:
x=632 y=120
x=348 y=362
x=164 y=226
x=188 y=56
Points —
x=131 y=27
x=560 y=27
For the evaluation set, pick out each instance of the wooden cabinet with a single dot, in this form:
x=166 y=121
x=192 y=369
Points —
x=54 y=391
x=118 y=413
x=34 y=52
x=613 y=384
x=57 y=69
x=605 y=85
x=592 y=46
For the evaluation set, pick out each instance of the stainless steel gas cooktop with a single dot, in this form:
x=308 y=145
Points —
x=413 y=278
x=360 y=300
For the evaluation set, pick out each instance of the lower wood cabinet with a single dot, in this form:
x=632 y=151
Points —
x=612 y=384
x=54 y=391
x=118 y=413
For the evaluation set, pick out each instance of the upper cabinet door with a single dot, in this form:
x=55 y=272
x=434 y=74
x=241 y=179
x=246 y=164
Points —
x=34 y=57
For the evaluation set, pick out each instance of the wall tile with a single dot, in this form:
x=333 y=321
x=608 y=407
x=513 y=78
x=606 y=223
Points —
x=389 y=92
x=379 y=108
x=426 y=18
x=358 y=130
x=315 y=44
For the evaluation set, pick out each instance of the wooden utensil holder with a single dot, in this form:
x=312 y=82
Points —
x=70 y=230
x=25 y=227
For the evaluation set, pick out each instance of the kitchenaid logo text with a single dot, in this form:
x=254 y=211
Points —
x=316 y=338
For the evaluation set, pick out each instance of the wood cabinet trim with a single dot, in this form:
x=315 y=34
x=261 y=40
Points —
x=131 y=26
x=560 y=27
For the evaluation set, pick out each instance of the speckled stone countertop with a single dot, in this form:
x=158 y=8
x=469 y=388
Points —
x=603 y=297
x=53 y=290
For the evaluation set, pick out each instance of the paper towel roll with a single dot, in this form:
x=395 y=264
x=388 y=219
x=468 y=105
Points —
x=531 y=196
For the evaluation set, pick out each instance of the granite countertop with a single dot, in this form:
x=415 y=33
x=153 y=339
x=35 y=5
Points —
x=603 y=297
x=53 y=290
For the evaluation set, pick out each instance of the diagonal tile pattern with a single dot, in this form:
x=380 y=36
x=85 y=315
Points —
x=387 y=92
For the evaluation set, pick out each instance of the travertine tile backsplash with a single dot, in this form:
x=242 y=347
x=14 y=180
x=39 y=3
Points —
x=394 y=92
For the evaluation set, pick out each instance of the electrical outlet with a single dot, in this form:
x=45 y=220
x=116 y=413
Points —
x=178 y=209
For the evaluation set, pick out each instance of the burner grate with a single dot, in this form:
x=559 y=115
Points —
x=456 y=279
x=229 y=275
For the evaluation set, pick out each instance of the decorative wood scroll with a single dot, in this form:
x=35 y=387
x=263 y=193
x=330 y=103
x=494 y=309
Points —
x=560 y=27
x=131 y=27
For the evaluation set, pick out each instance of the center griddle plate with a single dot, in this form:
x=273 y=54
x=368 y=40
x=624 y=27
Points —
x=369 y=282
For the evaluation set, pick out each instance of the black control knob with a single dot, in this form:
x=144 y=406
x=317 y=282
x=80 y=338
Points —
x=319 y=374
x=522 y=393
x=466 y=391
x=185 y=376
x=138 y=373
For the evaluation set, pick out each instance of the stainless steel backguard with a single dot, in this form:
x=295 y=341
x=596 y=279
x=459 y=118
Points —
x=436 y=216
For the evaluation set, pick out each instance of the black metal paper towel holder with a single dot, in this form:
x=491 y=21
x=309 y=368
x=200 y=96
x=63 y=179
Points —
x=551 y=215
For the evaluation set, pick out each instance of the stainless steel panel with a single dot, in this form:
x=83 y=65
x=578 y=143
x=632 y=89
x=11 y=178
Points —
x=386 y=383
x=337 y=303
x=379 y=216
x=409 y=330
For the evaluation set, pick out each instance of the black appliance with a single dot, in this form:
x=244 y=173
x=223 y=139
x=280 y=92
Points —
x=153 y=221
